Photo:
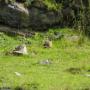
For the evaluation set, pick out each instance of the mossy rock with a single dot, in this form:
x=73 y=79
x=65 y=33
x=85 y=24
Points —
x=13 y=17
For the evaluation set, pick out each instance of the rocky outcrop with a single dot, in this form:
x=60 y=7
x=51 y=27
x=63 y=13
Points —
x=36 y=16
x=14 y=15
x=39 y=17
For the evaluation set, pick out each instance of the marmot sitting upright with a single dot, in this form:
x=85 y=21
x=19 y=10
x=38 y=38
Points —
x=47 y=43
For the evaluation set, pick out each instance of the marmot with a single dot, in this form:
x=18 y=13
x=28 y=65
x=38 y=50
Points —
x=47 y=43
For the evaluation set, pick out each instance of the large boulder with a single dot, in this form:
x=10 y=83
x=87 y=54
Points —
x=14 y=16
x=36 y=16
x=41 y=17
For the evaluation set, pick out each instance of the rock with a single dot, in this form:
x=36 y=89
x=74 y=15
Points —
x=87 y=75
x=37 y=16
x=30 y=34
x=58 y=35
x=14 y=16
x=20 y=7
x=47 y=43
x=42 y=18
x=17 y=74
x=72 y=38
x=45 y=62
x=20 y=50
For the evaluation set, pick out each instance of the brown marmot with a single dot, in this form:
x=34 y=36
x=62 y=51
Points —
x=47 y=43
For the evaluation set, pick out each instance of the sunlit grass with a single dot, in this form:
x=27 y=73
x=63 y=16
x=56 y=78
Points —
x=64 y=55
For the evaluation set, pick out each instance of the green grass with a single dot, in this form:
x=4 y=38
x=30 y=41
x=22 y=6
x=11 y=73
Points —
x=64 y=55
x=50 y=4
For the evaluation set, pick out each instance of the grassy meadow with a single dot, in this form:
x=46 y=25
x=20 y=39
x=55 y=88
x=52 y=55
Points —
x=69 y=68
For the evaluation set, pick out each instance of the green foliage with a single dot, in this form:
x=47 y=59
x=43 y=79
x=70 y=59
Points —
x=75 y=13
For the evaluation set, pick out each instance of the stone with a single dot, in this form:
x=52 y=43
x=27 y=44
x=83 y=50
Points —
x=20 y=50
x=74 y=38
x=87 y=75
x=58 y=35
x=36 y=16
x=17 y=74
x=14 y=16
x=45 y=62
